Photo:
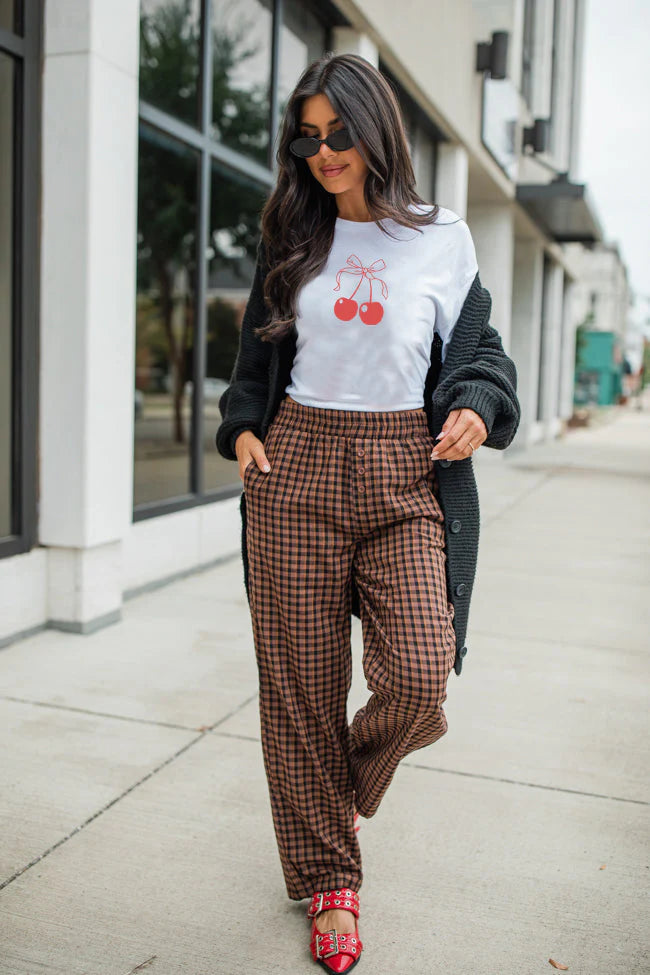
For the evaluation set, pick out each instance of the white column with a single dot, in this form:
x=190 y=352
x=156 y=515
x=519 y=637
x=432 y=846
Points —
x=90 y=123
x=492 y=230
x=452 y=178
x=568 y=351
x=526 y=325
x=553 y=288
x=347 y=40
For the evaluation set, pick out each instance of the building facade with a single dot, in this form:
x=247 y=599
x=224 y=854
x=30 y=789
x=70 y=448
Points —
x=137 y=148
x=602 y=308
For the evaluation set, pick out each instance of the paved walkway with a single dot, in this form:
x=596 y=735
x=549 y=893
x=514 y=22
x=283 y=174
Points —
x=137 y=835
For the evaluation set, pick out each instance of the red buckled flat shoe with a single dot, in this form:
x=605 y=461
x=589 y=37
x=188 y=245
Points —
x=335 y=952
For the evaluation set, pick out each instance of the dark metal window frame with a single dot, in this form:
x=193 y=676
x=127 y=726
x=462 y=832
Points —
x=209 y=149
x=26 y=51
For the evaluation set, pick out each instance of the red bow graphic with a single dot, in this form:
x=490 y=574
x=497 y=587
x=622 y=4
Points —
x=356 y=267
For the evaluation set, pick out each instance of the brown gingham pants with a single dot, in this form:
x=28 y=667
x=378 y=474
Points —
x=350 y=493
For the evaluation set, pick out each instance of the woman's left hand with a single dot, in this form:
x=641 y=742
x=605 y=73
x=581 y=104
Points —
x=461 y=428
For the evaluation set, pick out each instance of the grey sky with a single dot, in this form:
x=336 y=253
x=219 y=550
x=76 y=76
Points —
x=614 y=155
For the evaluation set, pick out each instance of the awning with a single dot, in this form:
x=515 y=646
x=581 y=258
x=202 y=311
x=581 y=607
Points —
x=564 y=210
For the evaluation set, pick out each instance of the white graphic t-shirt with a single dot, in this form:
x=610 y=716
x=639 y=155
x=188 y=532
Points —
x=366 y=322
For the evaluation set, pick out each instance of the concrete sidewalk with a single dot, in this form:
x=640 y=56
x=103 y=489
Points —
x=137 y=833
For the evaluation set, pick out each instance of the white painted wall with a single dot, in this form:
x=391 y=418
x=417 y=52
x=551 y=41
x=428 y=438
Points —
x=435 y=44
x=160 y=548
x=493 y=15
x=23 y=594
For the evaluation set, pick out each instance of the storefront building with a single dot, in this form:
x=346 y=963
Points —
x=142 y=145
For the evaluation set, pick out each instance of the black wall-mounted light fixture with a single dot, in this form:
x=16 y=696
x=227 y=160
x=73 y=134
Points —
x=537 y=135
x=492 y=56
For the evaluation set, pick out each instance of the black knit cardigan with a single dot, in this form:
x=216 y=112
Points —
x=476 y=374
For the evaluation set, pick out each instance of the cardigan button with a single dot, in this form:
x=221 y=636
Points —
x=445 y=463
x=461 y=589
x=455 y=526
x=462 y=651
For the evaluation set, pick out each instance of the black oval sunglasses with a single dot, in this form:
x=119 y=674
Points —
x=309 y=145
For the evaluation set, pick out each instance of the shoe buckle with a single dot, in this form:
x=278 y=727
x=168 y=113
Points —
x=332 y=951
x=319 y=905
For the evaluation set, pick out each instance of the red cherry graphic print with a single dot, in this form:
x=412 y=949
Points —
x=345 y=309
x=371 y=312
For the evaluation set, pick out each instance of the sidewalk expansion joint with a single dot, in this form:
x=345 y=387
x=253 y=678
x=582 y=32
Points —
x=96 y=714
x=237 y=737
x=205 y=730
x=528 y=785
x=128 y=717
x=479 y=775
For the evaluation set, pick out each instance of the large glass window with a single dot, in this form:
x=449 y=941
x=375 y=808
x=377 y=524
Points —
x=167 y=216
x=236 y=203
x=303 y=38
x=206 y=180
x=170 y=40
x=6 y=291
x=20 y=49
x=241 y=75
x=9 y=14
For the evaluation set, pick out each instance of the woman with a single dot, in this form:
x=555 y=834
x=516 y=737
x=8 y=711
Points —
x=365 y=340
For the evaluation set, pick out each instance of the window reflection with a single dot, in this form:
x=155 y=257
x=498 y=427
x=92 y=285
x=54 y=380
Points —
x=236 y=203
x=241 y=69
x=303 y=39
x=170 y=35
x=7 y=21
x=6 y=291
x=167 y=217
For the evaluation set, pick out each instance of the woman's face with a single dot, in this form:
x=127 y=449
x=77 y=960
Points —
x=339 y=172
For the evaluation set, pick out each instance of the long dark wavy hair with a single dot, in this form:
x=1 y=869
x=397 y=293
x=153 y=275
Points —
x=299 y=217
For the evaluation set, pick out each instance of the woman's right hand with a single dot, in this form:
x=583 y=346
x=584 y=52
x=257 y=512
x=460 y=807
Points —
x=250 y=450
